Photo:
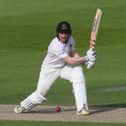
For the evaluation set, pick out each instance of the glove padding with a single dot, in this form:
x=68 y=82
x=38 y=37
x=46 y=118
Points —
x=90 y=64
x=91 y=54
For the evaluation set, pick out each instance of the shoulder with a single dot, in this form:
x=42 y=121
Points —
x=55 y=39
x=71 y=39
x=55 y=44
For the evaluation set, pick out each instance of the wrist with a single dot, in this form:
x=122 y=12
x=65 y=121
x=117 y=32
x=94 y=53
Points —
x=86 y=58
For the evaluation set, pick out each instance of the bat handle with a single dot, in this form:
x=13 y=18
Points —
x=92 y=44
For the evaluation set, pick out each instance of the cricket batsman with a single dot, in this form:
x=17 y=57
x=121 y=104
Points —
x=61 y=61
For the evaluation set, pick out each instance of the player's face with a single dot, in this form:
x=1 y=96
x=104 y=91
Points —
x=64 y=37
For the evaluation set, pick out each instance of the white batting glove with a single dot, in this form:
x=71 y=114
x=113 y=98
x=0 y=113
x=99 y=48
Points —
x=90 y=64
x=91 y=54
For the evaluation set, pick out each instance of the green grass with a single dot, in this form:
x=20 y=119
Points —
x=26 y=28
x=28 y=123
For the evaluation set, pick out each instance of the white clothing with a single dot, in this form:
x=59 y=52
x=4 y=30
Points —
x=54 y=67
x=74 y=74
x=57 y=51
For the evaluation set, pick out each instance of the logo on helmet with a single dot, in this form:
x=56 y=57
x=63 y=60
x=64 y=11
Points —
x=64 y=27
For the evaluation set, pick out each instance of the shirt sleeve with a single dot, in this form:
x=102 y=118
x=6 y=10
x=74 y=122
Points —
x=58 y=50
x=72 y=43
x=60 y=53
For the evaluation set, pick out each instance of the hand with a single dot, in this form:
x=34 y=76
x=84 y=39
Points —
x=89 y=64
x=91 y=54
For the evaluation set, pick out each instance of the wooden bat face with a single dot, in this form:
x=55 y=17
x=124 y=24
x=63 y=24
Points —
x=95 y=27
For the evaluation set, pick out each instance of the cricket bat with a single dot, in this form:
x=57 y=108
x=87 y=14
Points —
x=95 y=27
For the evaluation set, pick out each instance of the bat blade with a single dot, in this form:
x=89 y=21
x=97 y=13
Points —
x=95 y=27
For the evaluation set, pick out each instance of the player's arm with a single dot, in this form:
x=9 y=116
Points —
x=74 y=60
x=74 y=53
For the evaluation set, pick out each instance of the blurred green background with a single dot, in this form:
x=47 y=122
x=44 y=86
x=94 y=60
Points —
x=27 y=27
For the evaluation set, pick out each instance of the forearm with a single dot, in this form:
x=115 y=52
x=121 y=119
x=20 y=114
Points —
x=74 y=54
x=74 y=60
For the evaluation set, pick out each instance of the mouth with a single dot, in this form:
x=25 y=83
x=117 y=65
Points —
x=64 y=39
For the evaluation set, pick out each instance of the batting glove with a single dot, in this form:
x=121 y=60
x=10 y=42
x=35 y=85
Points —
x=90 y=64
x=91 y=54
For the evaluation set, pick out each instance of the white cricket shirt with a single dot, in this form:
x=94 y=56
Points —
x=57 y=51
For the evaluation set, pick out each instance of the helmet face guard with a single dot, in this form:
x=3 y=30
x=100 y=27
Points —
x=63 y=27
